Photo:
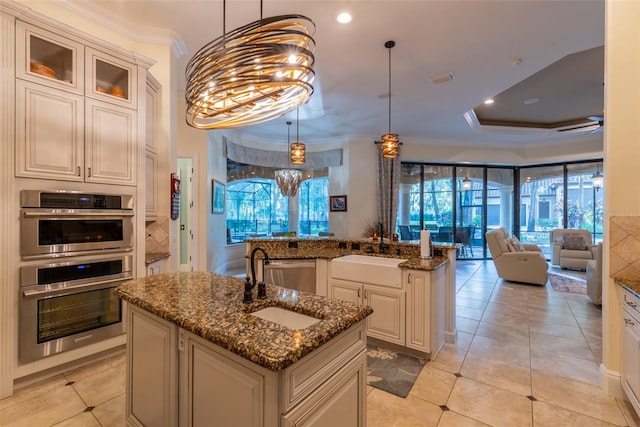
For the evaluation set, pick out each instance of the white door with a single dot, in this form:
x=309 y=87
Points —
x=187 y=221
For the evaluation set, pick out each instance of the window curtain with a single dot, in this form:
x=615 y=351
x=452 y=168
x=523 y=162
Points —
x=280 y=159
x=388 y=171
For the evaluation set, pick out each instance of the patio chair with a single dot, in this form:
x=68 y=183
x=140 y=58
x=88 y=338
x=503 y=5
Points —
x=405 y=232
x=464 y=236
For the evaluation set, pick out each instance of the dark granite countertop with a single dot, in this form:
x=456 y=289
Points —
x=210 y=306
x=152 y=257
x=329 y=248
x=631 y=285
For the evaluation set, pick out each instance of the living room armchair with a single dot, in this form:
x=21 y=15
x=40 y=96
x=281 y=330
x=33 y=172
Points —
x=572 y=248
x=523 y=264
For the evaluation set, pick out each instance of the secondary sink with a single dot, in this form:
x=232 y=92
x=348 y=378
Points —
x=368 y=269
x=287 y=318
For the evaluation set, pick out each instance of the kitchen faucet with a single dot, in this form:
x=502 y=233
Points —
x=250 y=284
x=383 y=248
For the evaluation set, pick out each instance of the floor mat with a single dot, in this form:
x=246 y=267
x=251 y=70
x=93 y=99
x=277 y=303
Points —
x=391 y=371
x=568 y=283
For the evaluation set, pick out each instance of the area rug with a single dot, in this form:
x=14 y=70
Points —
x=568 y=283
x=391 y=371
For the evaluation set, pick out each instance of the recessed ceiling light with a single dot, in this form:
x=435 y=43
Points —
x=531 y=101
x=344 y=18
x=489 y=101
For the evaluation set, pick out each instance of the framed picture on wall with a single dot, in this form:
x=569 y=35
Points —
x=217 y=197
x=338 y=203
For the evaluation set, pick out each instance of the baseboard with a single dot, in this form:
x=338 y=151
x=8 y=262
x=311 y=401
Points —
x=451 y=337
x=610 y=383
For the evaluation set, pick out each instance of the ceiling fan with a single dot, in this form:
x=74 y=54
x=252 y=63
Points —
x=599 y=119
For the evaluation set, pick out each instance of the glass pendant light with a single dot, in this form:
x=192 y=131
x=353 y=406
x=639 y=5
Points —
x=390 y=143
x=297 y=151
x=288 y=180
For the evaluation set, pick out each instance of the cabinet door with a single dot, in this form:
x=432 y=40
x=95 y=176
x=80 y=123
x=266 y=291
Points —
x=630 y=369
x=110 y=79
x=151 y=186
x=418 y=318
x=345 y=290
x=152 y=110
x=110 y=133
x=339 y=402
x=221 y=392
x=152 y=370
x=388 y=319
x=49 y=132
x=48 y=58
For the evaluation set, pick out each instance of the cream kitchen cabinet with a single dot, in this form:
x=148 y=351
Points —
x=175 y=377
x=150 y=148
x=152 y=370
x=630 y=351
x=388 y=319
x=425 y=310
x=48 y=58
x=110 y=143
x=327 y=387
x=76 y=109
x=49 y=132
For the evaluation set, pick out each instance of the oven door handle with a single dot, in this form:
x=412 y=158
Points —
x=97 y=285
x=37 y=213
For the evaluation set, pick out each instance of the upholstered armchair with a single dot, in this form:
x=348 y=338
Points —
x=594 y=277
x=572 y=248
x=524 y=263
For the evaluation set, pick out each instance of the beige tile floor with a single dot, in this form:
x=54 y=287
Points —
x=526 y=356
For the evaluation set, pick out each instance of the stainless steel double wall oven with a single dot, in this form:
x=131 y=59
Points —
x=76 y=247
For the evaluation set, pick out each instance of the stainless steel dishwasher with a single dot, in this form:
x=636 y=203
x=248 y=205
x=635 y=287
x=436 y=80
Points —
x=299 y=274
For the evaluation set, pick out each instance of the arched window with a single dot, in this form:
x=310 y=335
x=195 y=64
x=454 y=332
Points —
x=255 y=206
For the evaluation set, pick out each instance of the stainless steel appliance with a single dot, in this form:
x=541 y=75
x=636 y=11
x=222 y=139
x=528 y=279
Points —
x=299 y=274
x=66 y=305
x=65 y=223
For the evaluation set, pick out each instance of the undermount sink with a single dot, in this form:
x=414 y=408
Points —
x=368 y=269
x=287 y=318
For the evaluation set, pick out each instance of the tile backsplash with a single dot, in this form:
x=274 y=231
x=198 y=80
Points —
x=157 y=236
x=624 y=247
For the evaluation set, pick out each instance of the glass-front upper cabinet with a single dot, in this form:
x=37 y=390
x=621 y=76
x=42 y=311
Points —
x=110 y=78
x=48 y=58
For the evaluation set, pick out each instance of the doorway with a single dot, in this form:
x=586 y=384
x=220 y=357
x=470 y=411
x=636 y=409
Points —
x=187 y=221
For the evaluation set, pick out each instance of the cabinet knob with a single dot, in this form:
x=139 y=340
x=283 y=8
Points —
x=79 y=170
x=628 y=322
x=631 y=304
x=359 y=293
x=89 y=172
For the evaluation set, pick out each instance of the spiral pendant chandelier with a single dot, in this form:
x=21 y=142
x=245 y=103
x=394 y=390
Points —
x=288 y=180
x=251 y=75
x=390 y=142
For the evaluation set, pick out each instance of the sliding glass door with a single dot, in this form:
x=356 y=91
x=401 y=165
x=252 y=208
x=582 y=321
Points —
x=460 y=203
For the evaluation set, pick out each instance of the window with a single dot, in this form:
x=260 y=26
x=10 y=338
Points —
x=487 y=197
x=543 y=209
x=314 y=206
x=255 y=206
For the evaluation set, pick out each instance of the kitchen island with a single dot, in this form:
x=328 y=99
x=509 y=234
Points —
x=418 y=273
x=196 y=355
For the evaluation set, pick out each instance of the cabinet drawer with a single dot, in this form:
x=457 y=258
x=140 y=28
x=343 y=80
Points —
x=305 y=376
x=631 y=304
